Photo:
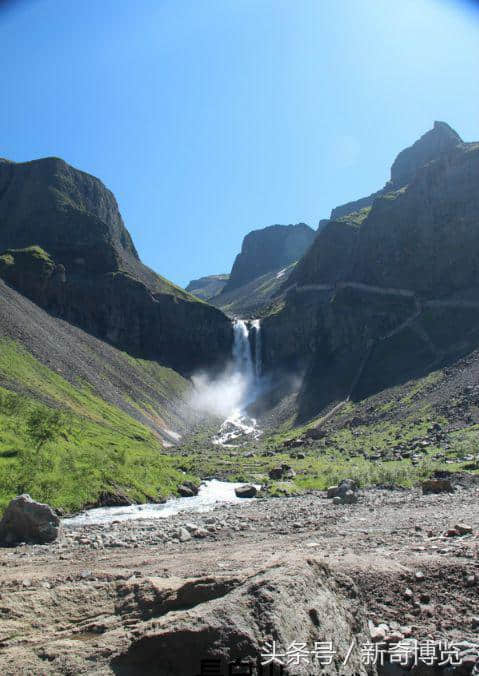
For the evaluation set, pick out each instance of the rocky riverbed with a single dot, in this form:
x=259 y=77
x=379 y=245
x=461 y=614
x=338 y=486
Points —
x=100 y=599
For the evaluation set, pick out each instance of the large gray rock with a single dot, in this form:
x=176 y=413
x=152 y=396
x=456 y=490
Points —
x=346 y=492
x=293 y=599
x=246 y=491
x=28 y=521
x=284 y=471
x=188 y=489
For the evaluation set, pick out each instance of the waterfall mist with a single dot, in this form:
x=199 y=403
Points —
x=240 y=383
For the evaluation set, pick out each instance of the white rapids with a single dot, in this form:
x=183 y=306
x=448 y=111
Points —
x=211 y=494
x=248 y=368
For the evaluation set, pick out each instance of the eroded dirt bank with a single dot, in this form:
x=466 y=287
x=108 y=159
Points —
x=156 y=597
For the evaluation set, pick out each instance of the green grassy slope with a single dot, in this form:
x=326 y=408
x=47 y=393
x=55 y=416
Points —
x=118 y=412
x=99 y=447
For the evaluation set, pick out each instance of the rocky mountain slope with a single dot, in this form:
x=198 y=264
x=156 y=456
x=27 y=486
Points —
x=253 y=298
x=207 y=287
x=441 y=138
x=64 y=245
x=388 y=291
x=265 y=262
x=267 y=250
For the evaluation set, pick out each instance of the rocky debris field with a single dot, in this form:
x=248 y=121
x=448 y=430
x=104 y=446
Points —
x=396 y=565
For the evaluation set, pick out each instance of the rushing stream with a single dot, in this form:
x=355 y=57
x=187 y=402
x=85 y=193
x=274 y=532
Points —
x=211 y=493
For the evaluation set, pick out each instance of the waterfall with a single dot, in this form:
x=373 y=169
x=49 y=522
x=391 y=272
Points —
x=258 y=361
x=242 y=357
x=243 y=353
x=245 y=381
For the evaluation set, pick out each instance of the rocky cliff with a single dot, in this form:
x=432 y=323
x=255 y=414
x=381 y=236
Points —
x=370 y=300
x=441 y=138
x=267 y=250
x=207 y=287
x=63 y=244
x=425 y=236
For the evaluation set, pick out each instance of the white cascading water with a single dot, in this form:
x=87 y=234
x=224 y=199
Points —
x=258 y=362
x=248 y=372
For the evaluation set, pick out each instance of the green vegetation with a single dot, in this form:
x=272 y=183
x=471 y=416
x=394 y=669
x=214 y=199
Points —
x=386 y=439
x=6 y=260
x=31 y=259
x=356 y=217
x=65 y=445
x=44 y=426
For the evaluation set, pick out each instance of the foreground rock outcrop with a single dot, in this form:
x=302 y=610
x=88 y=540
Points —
x=109 y=597
x=26 y=520
x=230 y=619
x=168 y=625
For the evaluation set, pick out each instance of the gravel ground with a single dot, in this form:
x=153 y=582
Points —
x=412 y=575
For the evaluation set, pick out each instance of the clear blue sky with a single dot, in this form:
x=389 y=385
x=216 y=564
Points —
x=210 y=118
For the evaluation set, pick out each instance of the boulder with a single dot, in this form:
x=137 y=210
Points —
x=26 y=520
x=332 y=492
x=110 y=499
x=246 y=491
x=188 y=489
x=350 y=497
x=437 y=486
x=315 y=433
x=282 y=472
x=344 y=493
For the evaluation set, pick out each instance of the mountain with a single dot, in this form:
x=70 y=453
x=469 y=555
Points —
x=266 y=259
x=267 y=250
x=207 y=287
x=419 y=236
x=253 y=298
x=92 y=341
x=434 y=142
x=63 y=244
x=387 y=291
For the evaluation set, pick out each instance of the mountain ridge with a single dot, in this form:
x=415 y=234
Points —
x=268 y=249
x=370 y=300
x=96 y=279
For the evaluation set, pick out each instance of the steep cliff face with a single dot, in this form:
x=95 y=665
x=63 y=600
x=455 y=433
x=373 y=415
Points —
x=94 y=277
x=269 y=249
x=67 y=212
x=425 y=236
x=330 y=258
x=420 y=235
x=370 y=300
x=207 y=287
x=438 y=140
